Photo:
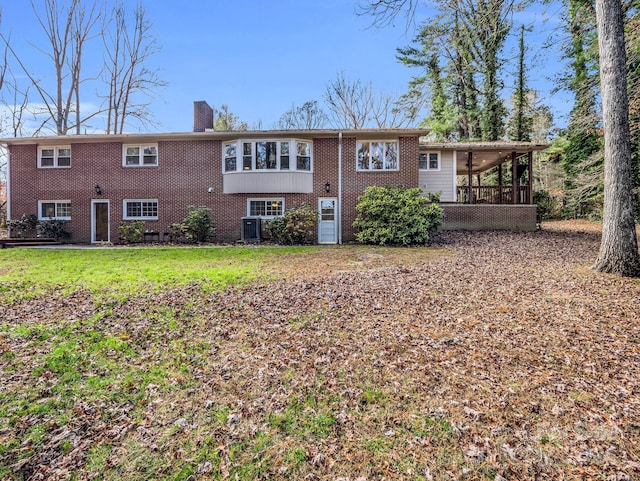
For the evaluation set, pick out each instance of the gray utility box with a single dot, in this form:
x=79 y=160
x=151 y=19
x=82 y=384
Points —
x=251 y=229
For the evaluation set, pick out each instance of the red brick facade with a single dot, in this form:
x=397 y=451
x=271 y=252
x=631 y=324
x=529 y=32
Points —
x=189 y=165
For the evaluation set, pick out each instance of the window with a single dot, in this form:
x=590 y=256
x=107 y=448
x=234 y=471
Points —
x=145 y=209
x=140 y=155
x=284 y=155
x=429 y=161
x=265 y=207
x=54 y=209
x=377 y=156
x=271 y=155
x=247 y=155
x=266 y=155
x=304 y=156
x=54 y=156
x=230 y=157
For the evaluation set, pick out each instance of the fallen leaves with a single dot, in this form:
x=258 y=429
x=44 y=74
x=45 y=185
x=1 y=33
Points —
x=505 y=358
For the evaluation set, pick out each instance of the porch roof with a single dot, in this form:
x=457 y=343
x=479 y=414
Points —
x=485 y=155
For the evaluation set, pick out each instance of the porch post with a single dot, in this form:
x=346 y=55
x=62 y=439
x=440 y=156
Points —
x=514 y=178
x=530 y=186
x=500 y=183
x=470 y=177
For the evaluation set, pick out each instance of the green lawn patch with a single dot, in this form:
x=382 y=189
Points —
x=127 y=271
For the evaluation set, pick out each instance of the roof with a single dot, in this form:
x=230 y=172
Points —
x=484 y=155
x=215 y=135
x=506 y=146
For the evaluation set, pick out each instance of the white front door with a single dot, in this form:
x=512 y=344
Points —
x=328 y=221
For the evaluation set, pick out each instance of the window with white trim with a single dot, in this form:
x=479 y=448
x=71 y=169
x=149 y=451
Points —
x=303 y=157
x=230 y=157
x=267 y=155
x=265 y=207
x=140 y=155
x=140 y=209
x=49 y=157
x=377 y=155
x=54 y=209
x=429 y=161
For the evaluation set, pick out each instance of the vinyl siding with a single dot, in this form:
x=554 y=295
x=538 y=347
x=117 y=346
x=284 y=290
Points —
x=443 y=180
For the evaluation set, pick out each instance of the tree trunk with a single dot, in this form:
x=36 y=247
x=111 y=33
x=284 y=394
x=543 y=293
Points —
x=619 y=246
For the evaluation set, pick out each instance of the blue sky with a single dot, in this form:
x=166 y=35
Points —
x=261 y=56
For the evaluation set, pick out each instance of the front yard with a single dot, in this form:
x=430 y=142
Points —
x=491 y=356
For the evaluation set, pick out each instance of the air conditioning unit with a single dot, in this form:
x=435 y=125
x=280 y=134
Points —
x=251 y=229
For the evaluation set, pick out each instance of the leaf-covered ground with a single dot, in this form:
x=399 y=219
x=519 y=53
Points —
x=502 y=357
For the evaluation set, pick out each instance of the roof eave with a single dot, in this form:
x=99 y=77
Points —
x=213 y=135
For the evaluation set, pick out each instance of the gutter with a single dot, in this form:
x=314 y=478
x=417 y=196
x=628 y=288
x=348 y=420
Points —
x=339 y=187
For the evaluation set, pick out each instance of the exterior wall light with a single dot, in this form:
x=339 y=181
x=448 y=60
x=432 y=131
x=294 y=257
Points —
x=327 y=187
x=98 y=189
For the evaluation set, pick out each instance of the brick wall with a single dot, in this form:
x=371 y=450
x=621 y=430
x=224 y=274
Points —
x=489 y=217
x=186 y=170
x=181 y=178
x=354 y=182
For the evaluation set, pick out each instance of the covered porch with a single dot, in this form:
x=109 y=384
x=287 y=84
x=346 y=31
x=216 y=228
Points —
x=495 y=172
x=493 y=186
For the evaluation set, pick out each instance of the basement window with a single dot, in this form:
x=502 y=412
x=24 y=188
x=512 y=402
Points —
x=54 y=209
x=140 y=209
x=265 y=207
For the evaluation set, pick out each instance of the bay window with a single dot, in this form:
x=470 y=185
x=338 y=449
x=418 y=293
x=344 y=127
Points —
x=267 y=155
x=304 y=156
x=230 y=157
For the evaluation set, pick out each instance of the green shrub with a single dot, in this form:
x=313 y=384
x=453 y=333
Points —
x=396 y=216
x=296 y=226
x=132 y=231
x=547 y=206
x=198 y=226
x=22 y=225
x=177 y=232
x=53 y=229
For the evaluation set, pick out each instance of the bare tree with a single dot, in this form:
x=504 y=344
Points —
x=308 y=116
x=350 y=103
x=619 y=245
x=16 y=103
x=356 y=105
x=3 y=154
x=385 y=12
x=67 y=29
x=128 y=48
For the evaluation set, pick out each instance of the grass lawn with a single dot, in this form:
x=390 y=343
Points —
x=493 y=356
x=130 y=271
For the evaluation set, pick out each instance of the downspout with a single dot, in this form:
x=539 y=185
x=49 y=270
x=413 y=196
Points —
x=7 y=187
x=339 y=187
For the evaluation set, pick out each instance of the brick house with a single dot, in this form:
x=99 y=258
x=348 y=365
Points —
x=96 y=181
